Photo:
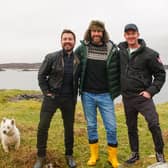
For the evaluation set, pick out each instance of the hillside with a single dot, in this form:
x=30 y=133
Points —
x=20 y=66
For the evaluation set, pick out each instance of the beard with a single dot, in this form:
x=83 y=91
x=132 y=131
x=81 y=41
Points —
x=68 y=47
x=97 y=39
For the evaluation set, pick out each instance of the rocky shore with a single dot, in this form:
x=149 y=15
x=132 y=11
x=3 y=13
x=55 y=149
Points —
x=37 y=97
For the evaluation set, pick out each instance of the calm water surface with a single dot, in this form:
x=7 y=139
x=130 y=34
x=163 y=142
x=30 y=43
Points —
x=27 y=80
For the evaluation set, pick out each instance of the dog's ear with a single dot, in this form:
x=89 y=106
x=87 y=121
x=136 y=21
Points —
x=12 y=121
x=4 y=119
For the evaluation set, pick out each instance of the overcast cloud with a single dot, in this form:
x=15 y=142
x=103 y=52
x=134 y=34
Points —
x=31 y=28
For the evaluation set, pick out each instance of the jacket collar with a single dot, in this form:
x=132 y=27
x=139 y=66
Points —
x=124 y=45
x=110 y=45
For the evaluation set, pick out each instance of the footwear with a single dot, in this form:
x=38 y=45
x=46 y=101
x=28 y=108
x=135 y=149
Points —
x=134 y=157
x=112 y=156
x=93 y=154
x=70 y=161
x=160 y=157
x=39 y=162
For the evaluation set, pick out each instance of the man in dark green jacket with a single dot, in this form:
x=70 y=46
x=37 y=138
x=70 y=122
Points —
x=100 y=84
x=142 y=76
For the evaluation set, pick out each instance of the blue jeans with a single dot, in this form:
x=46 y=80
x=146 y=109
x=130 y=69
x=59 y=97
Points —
x=104 y=103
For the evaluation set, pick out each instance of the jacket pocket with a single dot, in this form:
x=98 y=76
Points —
x=136 y=79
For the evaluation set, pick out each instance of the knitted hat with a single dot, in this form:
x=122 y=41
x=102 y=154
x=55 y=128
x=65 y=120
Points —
x=96 y=25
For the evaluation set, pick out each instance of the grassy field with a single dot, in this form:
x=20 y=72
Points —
x=26 y=114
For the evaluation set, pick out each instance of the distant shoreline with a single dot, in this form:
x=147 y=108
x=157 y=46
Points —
x=27 y=66
x=22 y=66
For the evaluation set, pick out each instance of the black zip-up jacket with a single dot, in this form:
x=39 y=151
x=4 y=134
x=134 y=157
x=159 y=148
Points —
x=50 y=75
x=142 y=72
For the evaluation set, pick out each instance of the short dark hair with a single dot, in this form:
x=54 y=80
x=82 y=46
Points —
x=68 y=31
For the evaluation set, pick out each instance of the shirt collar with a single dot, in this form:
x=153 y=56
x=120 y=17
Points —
x=65 y=54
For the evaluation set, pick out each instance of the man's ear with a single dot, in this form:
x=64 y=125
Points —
x=138 y=34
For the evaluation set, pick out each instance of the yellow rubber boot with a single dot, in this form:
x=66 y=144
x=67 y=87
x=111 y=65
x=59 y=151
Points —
x=112 y=156
x=93 y=154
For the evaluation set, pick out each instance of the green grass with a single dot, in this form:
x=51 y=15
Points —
x=26 y=114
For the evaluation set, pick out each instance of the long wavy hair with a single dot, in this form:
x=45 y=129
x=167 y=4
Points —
x=99 y=25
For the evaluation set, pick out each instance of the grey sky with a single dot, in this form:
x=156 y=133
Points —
x=30 y=29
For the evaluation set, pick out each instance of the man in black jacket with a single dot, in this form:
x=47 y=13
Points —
x=58 y=80
x=142 y=76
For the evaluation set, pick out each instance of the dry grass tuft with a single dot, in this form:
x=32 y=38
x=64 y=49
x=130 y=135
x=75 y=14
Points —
x=165 y=136
x=27 y=157
x=79 y=118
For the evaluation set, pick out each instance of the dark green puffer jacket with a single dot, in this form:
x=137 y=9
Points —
x=113 y=67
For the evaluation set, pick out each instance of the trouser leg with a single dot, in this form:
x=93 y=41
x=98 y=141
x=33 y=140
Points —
x=131 y=120
x=148 y=110
x=47 y=110
x=106 y=107
x=90 y=111
x=68 y=111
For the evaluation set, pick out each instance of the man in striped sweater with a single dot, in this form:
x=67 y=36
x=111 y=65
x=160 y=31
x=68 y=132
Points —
x=99 y=86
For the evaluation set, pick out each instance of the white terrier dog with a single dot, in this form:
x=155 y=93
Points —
x=9 y=134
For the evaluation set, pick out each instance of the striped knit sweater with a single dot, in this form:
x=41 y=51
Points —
x=95 y=78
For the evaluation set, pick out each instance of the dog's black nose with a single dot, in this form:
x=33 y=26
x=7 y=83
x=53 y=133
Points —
x=4 y=132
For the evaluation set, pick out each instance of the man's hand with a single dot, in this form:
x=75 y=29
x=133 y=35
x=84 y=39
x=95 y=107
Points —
x=145 y=94
x=49 y=94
